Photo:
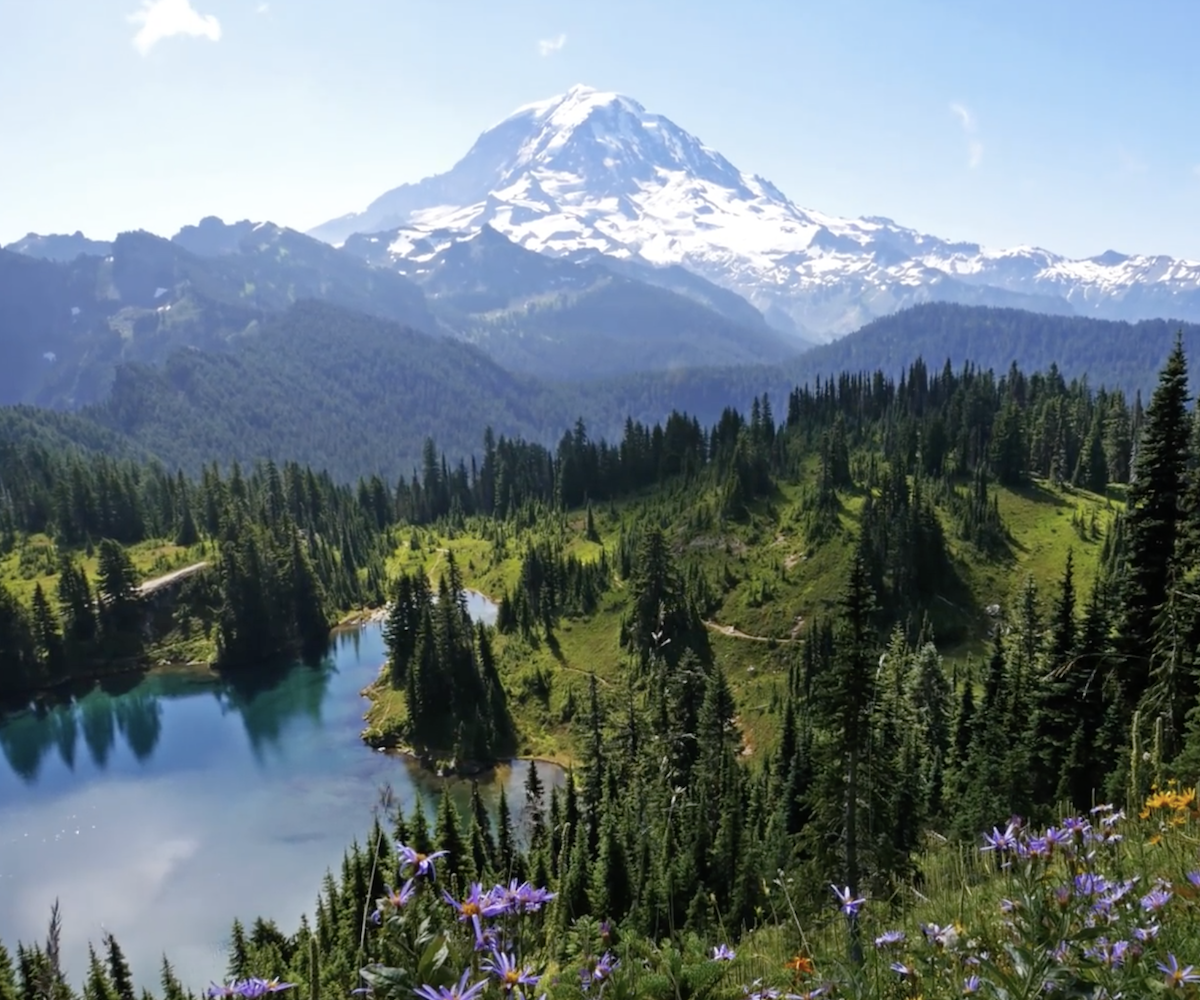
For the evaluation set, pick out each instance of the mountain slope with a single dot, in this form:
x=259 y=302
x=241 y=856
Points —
x=593 y=172
x=564 y=320
x=65 y=326
x=343 y=391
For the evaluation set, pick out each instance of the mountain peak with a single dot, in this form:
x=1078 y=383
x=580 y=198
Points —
x=593 y=172
x=574 y=106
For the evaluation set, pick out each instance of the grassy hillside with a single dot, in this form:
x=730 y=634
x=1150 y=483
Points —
x=771 y=580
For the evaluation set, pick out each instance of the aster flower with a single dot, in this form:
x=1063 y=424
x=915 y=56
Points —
x=509 y=974
x=395 y=899
x=906 y=971
x=846 y=901
x=1178 y=977
x=723 y=953
x=474 y=908
x=889 y=939
x=1057 y=837
x=1110 y=954
x=1001 y=841
x=520 y=897
x=423 y=863
x=1155 y=900
x=249 y=989
x=459 y=991
x=1090 y=884
x=1145 y=934
x=971 y=984
x=601 y=972
x=943 y=937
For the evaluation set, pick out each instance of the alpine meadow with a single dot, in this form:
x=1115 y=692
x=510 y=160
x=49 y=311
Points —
x=584 y=572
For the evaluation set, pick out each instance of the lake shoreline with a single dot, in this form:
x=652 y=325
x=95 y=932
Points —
x=383 y=717
x=155 y=776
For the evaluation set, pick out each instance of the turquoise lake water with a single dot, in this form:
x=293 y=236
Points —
x=162 y=808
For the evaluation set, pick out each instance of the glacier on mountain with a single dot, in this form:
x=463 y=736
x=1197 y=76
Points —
x=593 y=173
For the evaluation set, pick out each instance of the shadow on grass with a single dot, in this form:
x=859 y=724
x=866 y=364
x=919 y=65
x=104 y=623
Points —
x=1037 y=493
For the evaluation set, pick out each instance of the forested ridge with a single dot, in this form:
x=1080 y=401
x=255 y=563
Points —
x=353 y=394
x=860 y=526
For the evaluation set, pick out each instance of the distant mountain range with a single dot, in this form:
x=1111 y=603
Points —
x=588 y=175
x=76 y=306
x=356 y=394
x=586 y=258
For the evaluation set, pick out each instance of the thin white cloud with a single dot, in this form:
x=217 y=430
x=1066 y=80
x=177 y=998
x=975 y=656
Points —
x=547 y=46
x=970 y=127
x=262 y=8
x=161 y=19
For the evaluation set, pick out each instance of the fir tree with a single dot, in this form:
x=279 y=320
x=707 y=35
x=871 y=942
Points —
x=1152 y=521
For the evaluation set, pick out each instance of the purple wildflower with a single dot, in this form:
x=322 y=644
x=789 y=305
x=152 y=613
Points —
x=998 y=841
x=520 y=897
x=971 y=984
x=1146 y=933
x=249 y=989
x=509 y=974
x=476 y=906
x=601 y=972
x=889 y=938
x=1110 y=954
x=394 y=899
x=723 y=953
x=1057 y=837
x=1105 y=807
x=1089 y=884
x=1155 y=900
x=1176 y=976
x=943 y=937
x=459 y=991
x=1038 y=847
x=903 y=970
x=423 y=863
x=846 y=901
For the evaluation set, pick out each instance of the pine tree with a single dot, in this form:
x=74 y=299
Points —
x=47 y=636
x=507 y=860
x=8 y=978
x=98 y=985
x=239 y=959
x=1152 y=521
x=448 y=837
x=843 y=694
x=118 y=969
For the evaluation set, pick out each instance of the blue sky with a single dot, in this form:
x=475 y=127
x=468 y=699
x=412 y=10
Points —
x=1067 y=125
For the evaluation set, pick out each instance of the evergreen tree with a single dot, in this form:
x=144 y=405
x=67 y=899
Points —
x=118 y=969
x=1152 y=521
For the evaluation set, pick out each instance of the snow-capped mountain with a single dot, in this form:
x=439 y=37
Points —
x=591 y=173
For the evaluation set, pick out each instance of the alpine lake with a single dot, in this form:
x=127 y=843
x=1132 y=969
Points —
x=160 y=807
